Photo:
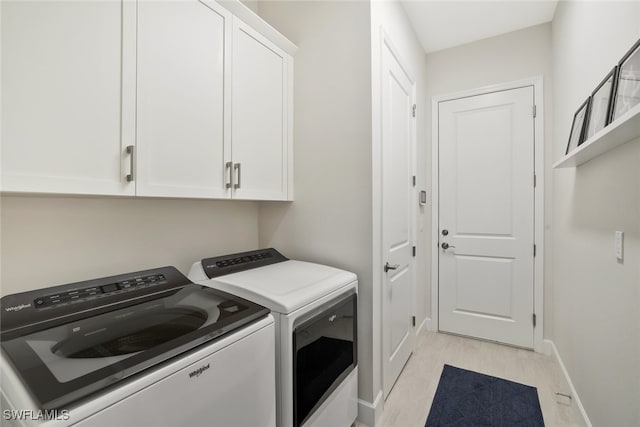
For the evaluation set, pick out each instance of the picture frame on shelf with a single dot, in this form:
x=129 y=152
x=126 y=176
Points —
x=578 y=127
x=627 y=89
x=601 y=103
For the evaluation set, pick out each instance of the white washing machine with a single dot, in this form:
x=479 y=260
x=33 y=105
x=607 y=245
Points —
x=142 y=349
x=315 y=311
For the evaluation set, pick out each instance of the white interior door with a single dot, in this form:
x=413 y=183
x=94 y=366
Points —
x=183 y=123
x=486 y=180
x=398 y=94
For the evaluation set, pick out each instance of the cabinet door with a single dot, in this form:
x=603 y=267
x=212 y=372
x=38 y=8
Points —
x=68 y=96
x=260 y=100
x=182 y=131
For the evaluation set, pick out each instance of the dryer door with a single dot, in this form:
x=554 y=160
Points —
x=324 y=353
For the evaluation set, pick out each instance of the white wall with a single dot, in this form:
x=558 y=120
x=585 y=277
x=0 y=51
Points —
x=330 y=220
x=254 y=5
x=49 y=241
x=596 y=300
x=505 y=58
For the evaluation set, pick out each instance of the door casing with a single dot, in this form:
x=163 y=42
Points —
x=538 y=282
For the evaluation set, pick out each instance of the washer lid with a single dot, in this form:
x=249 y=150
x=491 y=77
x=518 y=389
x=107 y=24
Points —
x=66 y=348
x=283 y=287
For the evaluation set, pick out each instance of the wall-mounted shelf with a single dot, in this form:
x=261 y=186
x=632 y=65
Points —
x=624 y=129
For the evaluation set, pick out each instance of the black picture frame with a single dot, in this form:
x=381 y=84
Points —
x=627 y=88
x=601 y=104
x=578 y=127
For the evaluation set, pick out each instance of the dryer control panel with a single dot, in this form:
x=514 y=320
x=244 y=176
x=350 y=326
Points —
x=234 y=263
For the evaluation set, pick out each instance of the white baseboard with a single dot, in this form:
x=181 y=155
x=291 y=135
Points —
x=424 y=326
x=546 y=348
x=551 y=347
x=369 y=413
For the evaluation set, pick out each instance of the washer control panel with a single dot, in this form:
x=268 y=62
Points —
x=30 y=311
x=96 y=292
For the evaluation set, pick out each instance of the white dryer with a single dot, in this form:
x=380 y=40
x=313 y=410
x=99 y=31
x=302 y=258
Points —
x=315 y=311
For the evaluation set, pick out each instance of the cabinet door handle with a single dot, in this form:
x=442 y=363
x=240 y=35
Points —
x=131 y=151
x=229 y=167
x=238 y=175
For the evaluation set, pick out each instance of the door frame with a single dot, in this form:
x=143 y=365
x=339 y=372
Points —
x=538 y=271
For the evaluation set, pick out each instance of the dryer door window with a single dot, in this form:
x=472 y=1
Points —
x=324 y=353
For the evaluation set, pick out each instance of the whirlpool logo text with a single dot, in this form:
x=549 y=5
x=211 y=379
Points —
x=197 y=372
x=17 y=307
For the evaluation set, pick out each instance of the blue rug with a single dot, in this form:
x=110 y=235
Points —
x=467 y=398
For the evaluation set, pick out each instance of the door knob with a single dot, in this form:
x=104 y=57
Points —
x=388 y=267
x=445 y=232
x=446 y=246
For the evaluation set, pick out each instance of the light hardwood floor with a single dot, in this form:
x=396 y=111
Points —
x=410 y=399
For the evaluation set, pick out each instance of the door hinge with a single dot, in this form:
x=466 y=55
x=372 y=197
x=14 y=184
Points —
x=414 y=251
x=413 y=320
x=535 y=250
x=535 y=111
x=413 y=110
x=535 y=180
x=534 y=319
x=414 y=180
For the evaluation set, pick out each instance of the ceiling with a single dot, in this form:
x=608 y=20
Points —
x=441 y=24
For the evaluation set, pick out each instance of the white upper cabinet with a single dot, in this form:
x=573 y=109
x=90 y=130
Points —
x=68 y=96
x=149 y=97
x=183 y=99
x=260 y=116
